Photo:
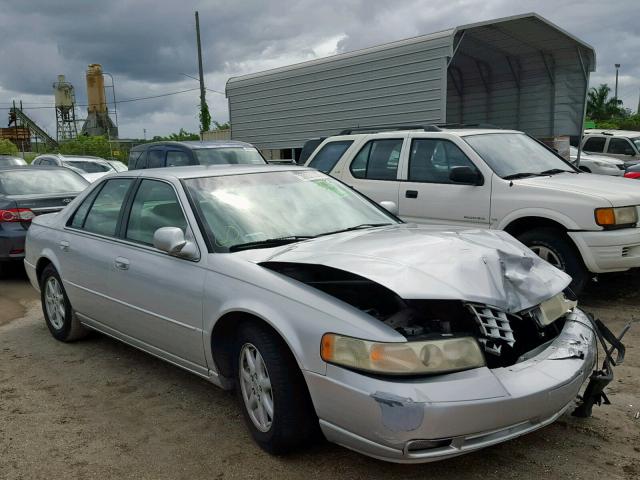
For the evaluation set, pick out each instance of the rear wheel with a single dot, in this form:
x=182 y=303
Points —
x=58 y=314
x=272 y=391
x=554 y=246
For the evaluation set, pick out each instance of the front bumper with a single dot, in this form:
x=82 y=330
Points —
x=609 y=250
x=421 y=420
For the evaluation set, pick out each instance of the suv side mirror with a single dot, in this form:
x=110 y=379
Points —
x=465 y=175
x=172 y=241
x=389 y=206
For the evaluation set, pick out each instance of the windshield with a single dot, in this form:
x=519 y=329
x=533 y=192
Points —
x=35 y=182
x=229 y=155
x=515 y=154
x=88 y=167
x=11 y=161
x=118 y=166
x=240 y=209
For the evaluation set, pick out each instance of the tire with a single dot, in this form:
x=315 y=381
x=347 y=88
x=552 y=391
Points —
x=293 y=423
x=58 y=314
x=555 y=242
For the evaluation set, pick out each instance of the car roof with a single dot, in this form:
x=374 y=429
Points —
x=31 y=167
x=193 y=144
x=75 y=158
x=612 y=133
x=462 y=132
x=196 y=171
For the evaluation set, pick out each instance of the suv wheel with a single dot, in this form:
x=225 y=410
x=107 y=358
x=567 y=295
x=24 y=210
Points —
x=554 y=246
x=272 y=391
x=58 y=314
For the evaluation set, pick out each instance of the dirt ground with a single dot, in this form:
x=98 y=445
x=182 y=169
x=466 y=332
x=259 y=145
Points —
x=100 y=409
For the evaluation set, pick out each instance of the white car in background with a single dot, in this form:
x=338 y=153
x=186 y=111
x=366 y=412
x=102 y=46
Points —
x=622 y=144
x=600 y=164
x=91 y=168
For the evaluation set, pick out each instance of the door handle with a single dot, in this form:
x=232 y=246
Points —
x=411 y=194
x=64 y=245
x=121 y=263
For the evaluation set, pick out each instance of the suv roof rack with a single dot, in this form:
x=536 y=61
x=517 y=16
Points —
x=435 y=127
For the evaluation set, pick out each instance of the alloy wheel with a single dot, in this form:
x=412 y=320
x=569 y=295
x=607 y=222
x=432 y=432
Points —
x=54 y=303
x=256 y=387
x=549 y=255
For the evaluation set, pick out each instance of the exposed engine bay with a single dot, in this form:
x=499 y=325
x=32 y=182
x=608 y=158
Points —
x=506 y=338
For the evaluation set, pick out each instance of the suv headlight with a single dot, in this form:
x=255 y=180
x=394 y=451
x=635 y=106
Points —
x=616 y=217
x=404 y=358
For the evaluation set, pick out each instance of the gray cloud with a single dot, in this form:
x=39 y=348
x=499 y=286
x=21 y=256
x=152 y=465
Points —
x=147 y=44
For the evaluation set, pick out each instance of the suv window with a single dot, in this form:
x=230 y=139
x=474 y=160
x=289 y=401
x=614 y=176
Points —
x=155 y=159
x=595 y=144
x=431 y=159
x=620 y=146
x=133 y=158
x=378 y=160
x=105 y=210
x=176 y=158
x=154 y=206
x=329 y=155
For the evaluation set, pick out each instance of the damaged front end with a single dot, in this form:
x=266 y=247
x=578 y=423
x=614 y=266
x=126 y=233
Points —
x=505 y=338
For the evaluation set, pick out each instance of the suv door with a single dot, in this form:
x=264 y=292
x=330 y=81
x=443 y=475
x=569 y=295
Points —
x=373 y=171
x=622 y=148
x=159 y=296
x=429 y=196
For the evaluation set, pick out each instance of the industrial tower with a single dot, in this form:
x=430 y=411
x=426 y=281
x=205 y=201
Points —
x=66 y=127
x=98 y=121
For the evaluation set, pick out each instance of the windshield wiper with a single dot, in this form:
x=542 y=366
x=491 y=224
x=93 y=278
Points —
x=514 y=176
x=268 y=243
x=555 y=171
x=357 y=227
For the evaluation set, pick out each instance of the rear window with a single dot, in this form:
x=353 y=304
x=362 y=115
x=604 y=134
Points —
x=229 y=155
x=9 y=161
x=33 y=182
x=595 y=144
x=329 y=155
x=88 y=167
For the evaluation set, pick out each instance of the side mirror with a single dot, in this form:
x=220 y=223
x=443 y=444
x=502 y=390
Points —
x=465 y=176
x=390 y=207
x=172 y=241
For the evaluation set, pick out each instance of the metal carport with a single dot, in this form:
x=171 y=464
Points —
x=520 y=72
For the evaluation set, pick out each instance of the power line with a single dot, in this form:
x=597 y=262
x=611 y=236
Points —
x=126 y=100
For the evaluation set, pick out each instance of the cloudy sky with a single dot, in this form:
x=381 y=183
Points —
x=148 y=45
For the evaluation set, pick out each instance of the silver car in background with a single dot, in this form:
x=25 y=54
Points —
x=323 y=310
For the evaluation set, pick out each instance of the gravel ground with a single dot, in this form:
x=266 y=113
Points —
x=100 y=409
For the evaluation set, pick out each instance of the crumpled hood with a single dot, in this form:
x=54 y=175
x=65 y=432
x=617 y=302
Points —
x=418 y=262
x=618 y=191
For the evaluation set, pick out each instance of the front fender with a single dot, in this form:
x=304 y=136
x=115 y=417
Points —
x=564 y=220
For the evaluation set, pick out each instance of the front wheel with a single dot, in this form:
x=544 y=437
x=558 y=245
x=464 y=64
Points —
x=58 y=314
x=272 y=391
x=554 y=246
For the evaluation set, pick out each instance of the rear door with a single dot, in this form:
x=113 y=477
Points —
x=429 y=196
x=622 y=148
x=373 y=170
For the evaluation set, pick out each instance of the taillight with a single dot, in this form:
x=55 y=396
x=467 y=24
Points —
x=632 y=175
x=16 y=215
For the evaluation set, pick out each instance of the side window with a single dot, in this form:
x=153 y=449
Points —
x=595 y=144
x=133 y=158
x=105 y=210
x=620 y=146
x=177 y=158
x=154 y=206
x=430 y=160
x=378 y=160
x=77 y=221
x=155 y=158
x=329 y=155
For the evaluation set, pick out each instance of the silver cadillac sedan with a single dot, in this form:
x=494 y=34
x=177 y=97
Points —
x=323 y=310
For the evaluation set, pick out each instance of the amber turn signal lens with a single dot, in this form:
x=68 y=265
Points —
x=605 y=216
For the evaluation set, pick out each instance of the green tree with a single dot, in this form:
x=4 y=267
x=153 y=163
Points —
x=97 y=146
x=205 y=117
x=600 y=106
x=180 y=136
x=222 y=126
x=7 y=147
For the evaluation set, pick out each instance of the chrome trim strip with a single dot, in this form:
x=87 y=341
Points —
x=133 y=307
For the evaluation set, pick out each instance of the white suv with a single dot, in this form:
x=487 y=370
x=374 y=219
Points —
x=500 y=179
x=622 y=144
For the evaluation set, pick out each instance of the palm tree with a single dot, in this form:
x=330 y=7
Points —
x=600 y=106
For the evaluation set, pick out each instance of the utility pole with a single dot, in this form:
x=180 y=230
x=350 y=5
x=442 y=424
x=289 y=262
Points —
x=200 y=74
x=616 y=91
x=638 y=111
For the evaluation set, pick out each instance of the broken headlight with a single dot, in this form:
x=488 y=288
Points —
x=406 y=358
